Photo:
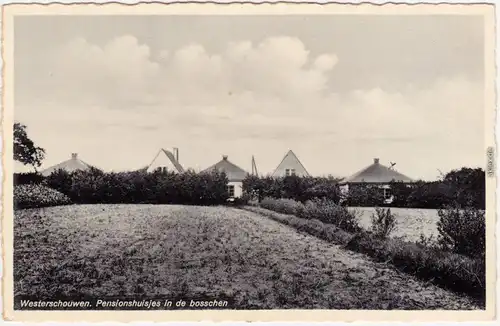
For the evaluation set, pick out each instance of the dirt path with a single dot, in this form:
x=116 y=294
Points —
x=354 y=273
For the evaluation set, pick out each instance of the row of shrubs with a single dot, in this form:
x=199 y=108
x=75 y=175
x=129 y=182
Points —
x=36 y=196
x=95 y=186
x=293 y=187
x=455 y=261
x=465 y=187
x=323 y=210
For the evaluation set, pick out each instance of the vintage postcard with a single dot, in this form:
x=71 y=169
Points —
x=242 y=162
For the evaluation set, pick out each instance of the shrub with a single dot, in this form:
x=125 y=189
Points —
x=87 y=186
x=292 y=187
x=314 y=227
x=364 y=195
x=430 y=195
x=427 y=242
x=94 y=186
x=320 y=209
x=462 y=231
x=60 y=180
x=34 y=196
x=401 y=191
x=449 y=270
x=383 y=222
x=284 y=206
x=28 y=178
x=468 y=186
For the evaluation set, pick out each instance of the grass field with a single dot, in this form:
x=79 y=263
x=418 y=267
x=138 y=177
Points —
x=411 y=222
x=172 y=251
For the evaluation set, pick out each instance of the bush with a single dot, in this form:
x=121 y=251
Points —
x=462 y=231
x=35 y=196
x=469 y=186
x=292 y=187
x=434 y=195
x=284 y=206
x=449 y=270
x=28 y=178
x=94 y=186
x=314 y=227
x=425 y=260
x=364 y=195
x=59 y=180
x=383 y=222
x=320 y=209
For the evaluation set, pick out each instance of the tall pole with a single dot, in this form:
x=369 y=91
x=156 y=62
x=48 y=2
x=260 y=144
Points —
x=254 y=167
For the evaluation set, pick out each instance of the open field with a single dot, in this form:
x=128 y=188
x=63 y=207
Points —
x=411 y=221
x=172 y=251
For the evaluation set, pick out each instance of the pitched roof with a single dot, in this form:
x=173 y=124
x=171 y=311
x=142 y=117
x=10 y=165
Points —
x=172 y=159
x=71 y=165
x=377 y=173
x=232 y=171
x=290 y=159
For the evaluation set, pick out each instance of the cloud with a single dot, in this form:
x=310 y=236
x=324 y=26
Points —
x=276 y=91
x=111 y=75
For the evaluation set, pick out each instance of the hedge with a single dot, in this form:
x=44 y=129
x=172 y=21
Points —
x=450 y=267
x=28 y=178
x=464 y=187
x=94 y=186
x=294 y=187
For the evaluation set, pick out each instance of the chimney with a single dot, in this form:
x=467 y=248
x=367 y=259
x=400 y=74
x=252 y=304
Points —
x=224 y=157
x=375 y=160
x=74 y=156
x=176 y=154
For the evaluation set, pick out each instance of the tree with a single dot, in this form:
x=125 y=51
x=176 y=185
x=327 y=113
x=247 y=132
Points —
x=468 y=186
x=25 y=150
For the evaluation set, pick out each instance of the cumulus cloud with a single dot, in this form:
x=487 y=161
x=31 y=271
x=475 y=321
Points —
x=276 y=90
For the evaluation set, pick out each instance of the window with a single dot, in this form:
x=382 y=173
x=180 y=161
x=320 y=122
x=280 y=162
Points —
x=289 y=172
x=230 y=190
x=387 y=193
x=164 y=169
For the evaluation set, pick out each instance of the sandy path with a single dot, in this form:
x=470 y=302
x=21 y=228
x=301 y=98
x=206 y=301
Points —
x=355 y=273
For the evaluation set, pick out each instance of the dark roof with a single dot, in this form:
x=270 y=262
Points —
x=232 y=171
x=377 y=173
x=71 y=165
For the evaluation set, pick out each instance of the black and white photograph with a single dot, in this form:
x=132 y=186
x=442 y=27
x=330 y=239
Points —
x=242 y=158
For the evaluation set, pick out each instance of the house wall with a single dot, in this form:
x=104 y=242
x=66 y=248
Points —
x=238 y=188
x=162 y=161
x=290 y=164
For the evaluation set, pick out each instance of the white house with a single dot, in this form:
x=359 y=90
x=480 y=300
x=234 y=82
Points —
x=234 y=173
x=166 y=161
x=290 y=165
x=71 y=165
x=378 y=175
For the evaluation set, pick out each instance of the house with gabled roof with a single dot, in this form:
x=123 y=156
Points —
x=290 y=165
x=378 y=175
x=71 y=165
x=166 y=161
x=234 y=174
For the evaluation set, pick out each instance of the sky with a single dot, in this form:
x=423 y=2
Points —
x=337 y=90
